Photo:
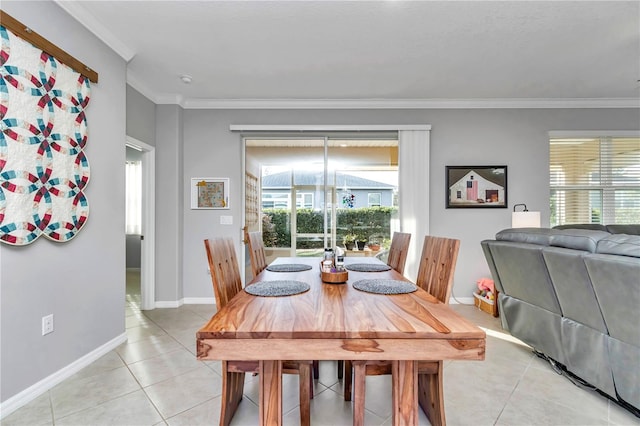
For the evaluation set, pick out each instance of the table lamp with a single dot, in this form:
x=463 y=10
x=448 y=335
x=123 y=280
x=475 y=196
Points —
x=524 y=218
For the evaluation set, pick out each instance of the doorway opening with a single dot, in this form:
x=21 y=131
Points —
x=338 y=191
x=141 y=240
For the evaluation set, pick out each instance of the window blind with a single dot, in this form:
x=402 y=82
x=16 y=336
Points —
x=594 y=180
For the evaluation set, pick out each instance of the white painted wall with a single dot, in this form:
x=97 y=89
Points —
x=81 y=282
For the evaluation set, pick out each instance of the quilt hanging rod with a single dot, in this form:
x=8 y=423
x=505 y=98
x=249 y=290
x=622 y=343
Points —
x=27 y=34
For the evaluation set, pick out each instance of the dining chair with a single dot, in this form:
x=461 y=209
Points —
x=398 y=251
x=256 y=252
x=435 y=276
x=225 y=276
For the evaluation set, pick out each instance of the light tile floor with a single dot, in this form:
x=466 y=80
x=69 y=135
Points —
x=155 y=379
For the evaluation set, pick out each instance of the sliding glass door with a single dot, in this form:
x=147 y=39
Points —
x=324 y=191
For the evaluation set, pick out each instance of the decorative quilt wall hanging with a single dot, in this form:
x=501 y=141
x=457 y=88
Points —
x=43 y=132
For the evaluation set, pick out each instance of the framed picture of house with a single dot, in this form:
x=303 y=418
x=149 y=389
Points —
x=476 y=187
x=209 y=193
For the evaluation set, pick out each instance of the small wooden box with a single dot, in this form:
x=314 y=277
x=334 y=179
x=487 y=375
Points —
x=486 y=305
x=334 y=277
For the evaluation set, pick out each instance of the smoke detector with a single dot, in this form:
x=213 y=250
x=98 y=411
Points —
x=186 y=79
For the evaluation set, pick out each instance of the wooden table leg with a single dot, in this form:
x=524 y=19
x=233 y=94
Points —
x=404 y=392
x=270 y=405
x=359 y=383
x=431 y=396
x=232 y=388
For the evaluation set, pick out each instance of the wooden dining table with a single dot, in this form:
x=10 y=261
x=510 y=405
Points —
x=338 y=322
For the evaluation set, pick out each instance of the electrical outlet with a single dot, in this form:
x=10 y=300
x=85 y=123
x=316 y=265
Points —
x=208 y=271
x=47 y=324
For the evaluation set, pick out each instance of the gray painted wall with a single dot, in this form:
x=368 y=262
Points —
x=170 y=203
x=81 y=282
x=141 y=117
x=517 y=138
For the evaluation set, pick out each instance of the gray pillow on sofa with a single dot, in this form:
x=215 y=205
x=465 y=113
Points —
x=577 y=239
x=541 y=236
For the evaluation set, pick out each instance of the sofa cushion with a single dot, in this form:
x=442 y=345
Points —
x=624 y=229
x=620 y=244
x=577 y=239
x=540 y=236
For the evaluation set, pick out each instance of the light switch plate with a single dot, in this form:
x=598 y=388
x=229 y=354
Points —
x=226 y=220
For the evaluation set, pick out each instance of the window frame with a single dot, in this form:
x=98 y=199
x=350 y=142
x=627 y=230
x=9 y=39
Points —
x=369 y=203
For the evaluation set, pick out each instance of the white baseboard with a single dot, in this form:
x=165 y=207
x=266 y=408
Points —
x=186 y=301
x=169 y=303
x=32 y=392
x=199 y=300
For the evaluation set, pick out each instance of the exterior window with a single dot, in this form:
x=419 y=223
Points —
x=374 y=199
x=304 y=200
x=594 y=180
x=275 y=200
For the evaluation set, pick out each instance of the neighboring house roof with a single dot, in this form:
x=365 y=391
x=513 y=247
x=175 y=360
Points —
x=282 y=180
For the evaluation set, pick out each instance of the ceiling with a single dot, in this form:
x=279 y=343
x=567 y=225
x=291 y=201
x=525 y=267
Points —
x=378 y=54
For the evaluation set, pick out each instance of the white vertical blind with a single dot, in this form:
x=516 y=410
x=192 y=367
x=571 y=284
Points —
x=134 y=197
x=413 y=171
x=595 y=180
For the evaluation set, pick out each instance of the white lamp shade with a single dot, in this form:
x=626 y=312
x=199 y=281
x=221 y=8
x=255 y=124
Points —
x=525 y=219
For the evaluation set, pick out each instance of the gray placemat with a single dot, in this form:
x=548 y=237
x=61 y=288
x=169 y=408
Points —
x=288 y=267
x=368 y=267
x=277 y=288
x=385 y=286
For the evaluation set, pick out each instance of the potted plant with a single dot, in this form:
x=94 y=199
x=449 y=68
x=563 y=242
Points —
x=349 y=241
x=361 y=240
x=374 y=245
x=374 y=242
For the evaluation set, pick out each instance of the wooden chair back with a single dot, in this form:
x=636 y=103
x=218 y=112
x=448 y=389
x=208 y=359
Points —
x=437 y=265
x=256 y=252
x=398 y=251
x=225 y=273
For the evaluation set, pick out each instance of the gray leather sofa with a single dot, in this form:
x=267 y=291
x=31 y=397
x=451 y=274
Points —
x=574 y=296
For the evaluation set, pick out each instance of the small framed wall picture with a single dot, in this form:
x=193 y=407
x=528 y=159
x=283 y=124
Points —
x=209 y=193
x=476 y=187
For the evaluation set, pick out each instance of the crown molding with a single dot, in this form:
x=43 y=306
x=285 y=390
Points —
x=326 y=127
x=170 y=99
x=80 y=14
x=408 y=103
x=594 y=133
x=158 y=99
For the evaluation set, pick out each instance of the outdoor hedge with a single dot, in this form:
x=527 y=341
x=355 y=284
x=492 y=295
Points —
x=369 y=223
